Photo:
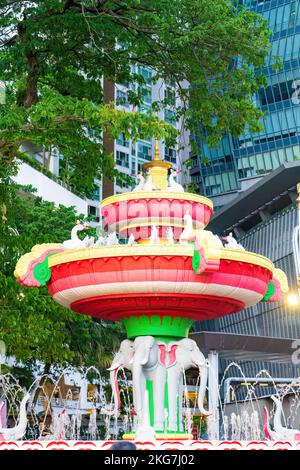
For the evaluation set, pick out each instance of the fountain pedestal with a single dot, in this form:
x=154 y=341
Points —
x=157 y=290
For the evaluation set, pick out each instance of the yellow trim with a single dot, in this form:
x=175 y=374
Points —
x=120 y=250
x=156 y=250
x=157 y=194
x=282 y=279
x=246 y=257
x=163 y=241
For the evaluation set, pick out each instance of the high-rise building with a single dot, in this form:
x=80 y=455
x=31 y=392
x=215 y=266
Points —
x=237 y=163
x=264 y=220
x=129 y=155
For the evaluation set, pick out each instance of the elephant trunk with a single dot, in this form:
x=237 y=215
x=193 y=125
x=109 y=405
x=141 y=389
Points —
x=203 y=368
x=138 y=388
x=115 y=388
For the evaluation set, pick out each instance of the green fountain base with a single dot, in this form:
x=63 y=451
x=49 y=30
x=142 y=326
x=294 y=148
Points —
x=158 y=326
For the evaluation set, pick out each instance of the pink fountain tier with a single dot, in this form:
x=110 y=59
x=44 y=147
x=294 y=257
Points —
x=170 y=273
x=129 y=282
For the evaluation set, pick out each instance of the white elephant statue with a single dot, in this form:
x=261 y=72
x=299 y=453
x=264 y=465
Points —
x=280 y=432
x=123 y=358
x=183 y=355
x=146 y=365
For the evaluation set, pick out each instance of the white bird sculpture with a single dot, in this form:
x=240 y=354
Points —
x=75 y=242
x=89 y=241
x=230 y=242
x=131 y=240
x=188 y=233
x=154 y=238
x=280 y=431
x=173 y=186
x=101 y=241
x=149 y=186
x=170 y=236
x=17 y=432
x=112 y=239
x=140 y=186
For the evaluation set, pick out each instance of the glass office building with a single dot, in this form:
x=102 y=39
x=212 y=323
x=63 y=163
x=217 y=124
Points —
x=224 y=169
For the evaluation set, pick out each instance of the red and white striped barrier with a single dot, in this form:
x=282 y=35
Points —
x=155 y=445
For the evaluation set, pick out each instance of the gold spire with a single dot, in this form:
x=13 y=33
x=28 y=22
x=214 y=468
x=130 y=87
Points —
x=156 y=151
x=158 y=170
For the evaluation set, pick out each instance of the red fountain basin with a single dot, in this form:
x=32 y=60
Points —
x=135 y=212
x=120 y=281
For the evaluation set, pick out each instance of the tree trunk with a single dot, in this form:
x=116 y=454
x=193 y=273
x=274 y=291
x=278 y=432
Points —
x=31 y=93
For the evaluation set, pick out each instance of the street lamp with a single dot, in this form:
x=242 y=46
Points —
x=293 y=299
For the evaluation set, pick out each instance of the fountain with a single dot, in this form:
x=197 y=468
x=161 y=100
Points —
x=172 y=273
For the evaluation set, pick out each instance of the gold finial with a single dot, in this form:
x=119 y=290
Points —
x=156 y=151
x=158 y=169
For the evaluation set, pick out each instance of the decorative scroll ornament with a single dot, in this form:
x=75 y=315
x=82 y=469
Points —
x=32 y=269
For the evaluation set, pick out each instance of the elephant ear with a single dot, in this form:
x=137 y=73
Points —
x=188 y=344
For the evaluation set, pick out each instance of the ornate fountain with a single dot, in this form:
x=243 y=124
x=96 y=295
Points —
x=171 y=273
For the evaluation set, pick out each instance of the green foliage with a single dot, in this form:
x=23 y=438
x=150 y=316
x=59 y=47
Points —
x=55 y=53
x=32 y=325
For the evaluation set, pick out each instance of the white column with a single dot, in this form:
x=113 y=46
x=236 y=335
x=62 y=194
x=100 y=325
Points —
x=213 y=395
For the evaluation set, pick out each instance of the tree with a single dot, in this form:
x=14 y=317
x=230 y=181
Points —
x=32 y=325
x=54 y=55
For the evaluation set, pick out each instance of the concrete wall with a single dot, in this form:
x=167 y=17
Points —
x=50 y=190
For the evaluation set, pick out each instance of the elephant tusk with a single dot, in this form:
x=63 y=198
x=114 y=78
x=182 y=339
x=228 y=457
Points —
x=205 y=412
x=200 y=364
x=146 y=358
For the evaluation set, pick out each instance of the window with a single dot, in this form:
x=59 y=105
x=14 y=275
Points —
x=122 y=159
x=122 y=184
x=146 y=92
x=122 y=98
x=145 y=151
x=170 y=96
x=144 y=108
x=146 y=73
x=93 y=211
x=170 y=154
x=170 y=116
x=96 y=194
x=121 y=140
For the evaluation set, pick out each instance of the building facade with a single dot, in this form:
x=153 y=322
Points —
x=129 y=155
x=263 y=219
x=238 y=163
